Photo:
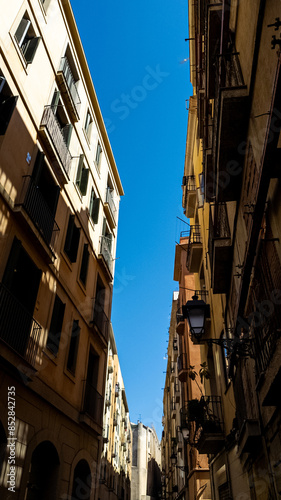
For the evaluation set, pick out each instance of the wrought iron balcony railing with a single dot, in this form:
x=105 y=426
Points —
x=218 y=225
x=93 y=402
x=51 y=123
x=70 y=82
x=109 y=199
x=105 y=251
x=100 y=320
x=18 y=328
x=38 y=210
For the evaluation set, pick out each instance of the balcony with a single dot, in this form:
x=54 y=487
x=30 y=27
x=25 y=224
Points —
x=189 y=195
x=194 y=249
x=36 y=208
x=105 y=256
x=18 y=329
x=52 y=136
x=93 y=403
x=68 y=88
x=220 y=248
x=266 y=341
x=100 y=321
x=183 y=367
x=209 y=432
x=230 y=127
x=110 y=208
x=180 y=322
x=214 y=20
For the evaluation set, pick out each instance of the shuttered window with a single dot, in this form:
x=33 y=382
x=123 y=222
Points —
x=72 y=240
x=82 y=176
x=73 y=346
x=26 y=39
x=84 y=264
x=94 y=207
x=56 y=326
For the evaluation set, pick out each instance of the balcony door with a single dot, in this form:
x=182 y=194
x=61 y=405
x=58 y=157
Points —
x=18 y=296
x=43 y=179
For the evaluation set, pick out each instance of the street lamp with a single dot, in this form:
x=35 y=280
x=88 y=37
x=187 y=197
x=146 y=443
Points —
x=196 y=312
x=173 y=458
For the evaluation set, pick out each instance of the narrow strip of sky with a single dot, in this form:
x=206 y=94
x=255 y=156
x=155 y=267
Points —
x=137 y=57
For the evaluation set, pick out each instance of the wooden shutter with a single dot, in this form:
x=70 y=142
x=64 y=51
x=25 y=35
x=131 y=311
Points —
x=84 y=181
x=56 y=325
x=79 y=170
x=30 y=49
x=38 y=165
x=21 y=32
x=69 y=234
x=75 y=243
x=109 y=241
x=84 y=264
x=55 y=101
x=94 y=208
x=6 y=110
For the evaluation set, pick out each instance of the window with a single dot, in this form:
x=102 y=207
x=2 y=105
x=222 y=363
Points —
x=94 y=207
x=98 y=154
x=54 y=334
x=84 y=264
x=7 y=104
x=88 y=124
x=27 y=39
x=59 y=112
x=82 y=176
x=72 y=240
x=73 y=346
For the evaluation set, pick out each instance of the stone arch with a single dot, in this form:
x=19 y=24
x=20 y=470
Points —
x=81 y=481
x=43 y=474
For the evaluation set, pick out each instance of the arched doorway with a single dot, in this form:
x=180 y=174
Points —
x=81 y=487
x=43 y=473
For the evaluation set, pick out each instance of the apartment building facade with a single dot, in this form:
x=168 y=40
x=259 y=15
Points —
x=185 y=473
x=146 y=463
x=116 y=460
x=60 y=192
x=231 y=194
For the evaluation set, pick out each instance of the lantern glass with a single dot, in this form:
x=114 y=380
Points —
x=196 y=311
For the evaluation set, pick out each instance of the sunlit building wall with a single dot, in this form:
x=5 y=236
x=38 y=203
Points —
x=231 y=194
x=115 y=468
x=59 y=200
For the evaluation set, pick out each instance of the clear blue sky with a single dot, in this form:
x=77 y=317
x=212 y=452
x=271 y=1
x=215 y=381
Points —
x=135 y=53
